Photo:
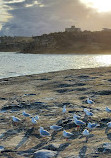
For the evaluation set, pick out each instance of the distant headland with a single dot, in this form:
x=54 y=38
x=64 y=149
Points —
x=72 y=40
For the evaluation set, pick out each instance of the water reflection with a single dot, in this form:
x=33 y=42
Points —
x=104 y=60
x=14 y=64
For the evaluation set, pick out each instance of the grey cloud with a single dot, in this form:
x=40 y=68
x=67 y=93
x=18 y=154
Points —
x=19 y=4
x=16 y=5
x=54 y=16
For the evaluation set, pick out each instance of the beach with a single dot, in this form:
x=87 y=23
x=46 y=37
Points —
x=45 y=95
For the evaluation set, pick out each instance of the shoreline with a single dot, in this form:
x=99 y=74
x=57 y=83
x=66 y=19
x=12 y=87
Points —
x=60 y=53
x=56 y=71
x=45 y=95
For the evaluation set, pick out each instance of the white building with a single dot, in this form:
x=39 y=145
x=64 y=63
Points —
x=72 y=29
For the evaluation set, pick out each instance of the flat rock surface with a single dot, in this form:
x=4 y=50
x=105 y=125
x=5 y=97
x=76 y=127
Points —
x=45 y=154
x=45 y=95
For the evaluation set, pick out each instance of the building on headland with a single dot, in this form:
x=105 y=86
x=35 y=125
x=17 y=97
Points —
x=72 y=29
x=106 y=30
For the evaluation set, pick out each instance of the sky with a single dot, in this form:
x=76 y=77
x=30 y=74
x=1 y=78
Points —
x=36 y=17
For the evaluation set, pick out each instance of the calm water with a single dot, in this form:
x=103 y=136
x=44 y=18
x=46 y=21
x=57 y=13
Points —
x=13 y=64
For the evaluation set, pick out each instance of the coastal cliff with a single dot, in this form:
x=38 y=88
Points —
x=13 y=44
x=61 y=43
x=70 y=42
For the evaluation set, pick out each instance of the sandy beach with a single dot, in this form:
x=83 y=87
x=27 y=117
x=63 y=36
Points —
x=45 y=95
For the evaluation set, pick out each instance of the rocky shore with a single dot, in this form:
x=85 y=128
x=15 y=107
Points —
x=45 y=95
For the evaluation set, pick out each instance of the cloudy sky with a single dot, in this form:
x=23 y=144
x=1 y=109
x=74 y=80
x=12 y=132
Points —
x=35 y=17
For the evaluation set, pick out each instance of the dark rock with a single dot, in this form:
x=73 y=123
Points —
x=63 y=122
x=63 y=85
x=104 y=92
x=82 y=98
x=81 y=89
x=45 y=154
x=39 y=105
x=53 y=147
x=82 y=151
x=67 y=124
x=29 y=94
x=94 y=77
x=70 y=125
x=57 y=147
x=100 y=149
x=83 y=76
x=61 y=104
x=70 y=90
x=105 y=120
x=3 y=98
x=106 y=148
x=62 y=90
x=44 y=79
x=80 y=84
x=9 y=107
x=66 y=103
x=63 y=146
x=72 y=111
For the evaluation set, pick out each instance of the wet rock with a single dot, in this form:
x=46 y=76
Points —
x=10 y=133
x=10 y=107
x=82 y=98
x=56 y=147
x=70 y=90
x=23 y=105
x=80 y=84
x=105 y=120
x=63 y=146
x=3 y=98
x=63 y=90
x=67 y=124
x=70 y=125
x=101 y=149
x=63 y=85
x=44 y=79
x=53 y=147
x=63 y=122
x=61 y=104
x=94 y=77
x=72 y=111
x=39 y=105
x=106 y=148
x=45 y=154
x=83 y=76
x=104 y=92
x=81 y=89
x=29 y=94
x=109 y=80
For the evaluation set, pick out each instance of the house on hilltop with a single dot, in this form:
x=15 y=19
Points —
x=72 y=29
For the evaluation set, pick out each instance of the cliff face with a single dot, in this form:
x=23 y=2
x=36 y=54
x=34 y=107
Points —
x=14 y=44
x=68 y=42
x=60 y=43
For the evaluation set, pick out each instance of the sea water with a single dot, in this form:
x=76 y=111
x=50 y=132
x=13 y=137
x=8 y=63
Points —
x=17 y=64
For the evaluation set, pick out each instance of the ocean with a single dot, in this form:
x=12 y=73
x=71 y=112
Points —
x=17 y=64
